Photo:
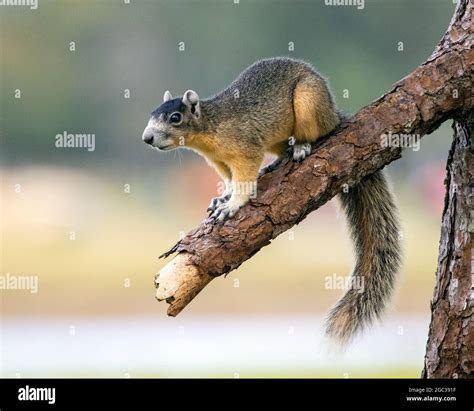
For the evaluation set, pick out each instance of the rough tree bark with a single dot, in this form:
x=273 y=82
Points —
x=450 y=348
x=436 y=91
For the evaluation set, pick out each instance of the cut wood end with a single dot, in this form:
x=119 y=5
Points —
x=178 y=282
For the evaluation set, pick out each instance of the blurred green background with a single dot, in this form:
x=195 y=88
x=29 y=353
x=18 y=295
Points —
x=90 y=224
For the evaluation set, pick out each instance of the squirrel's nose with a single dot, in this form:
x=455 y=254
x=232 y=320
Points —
x=147 y=136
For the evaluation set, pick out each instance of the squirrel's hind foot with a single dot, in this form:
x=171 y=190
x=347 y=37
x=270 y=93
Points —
x=300 y=152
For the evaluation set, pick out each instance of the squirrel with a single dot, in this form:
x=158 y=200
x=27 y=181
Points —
x=281 y=106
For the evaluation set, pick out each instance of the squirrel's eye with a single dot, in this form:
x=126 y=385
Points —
x=175 y=118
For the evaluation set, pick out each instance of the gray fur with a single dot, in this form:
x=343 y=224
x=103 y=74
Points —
x=242 y=99
x=372 y=216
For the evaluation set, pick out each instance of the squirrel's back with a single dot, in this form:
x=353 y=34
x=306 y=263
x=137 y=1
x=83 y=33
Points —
x=265 y=95
x=273 y=78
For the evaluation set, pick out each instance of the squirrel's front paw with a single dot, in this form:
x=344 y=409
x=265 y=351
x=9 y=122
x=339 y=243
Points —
x=223 y=211
x=216 y=201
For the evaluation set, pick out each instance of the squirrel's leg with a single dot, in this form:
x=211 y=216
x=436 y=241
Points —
x=244 y=186
x=297 y=152
x=307 y=97
x=314 y=115
x=281 y=151
x=226 y=175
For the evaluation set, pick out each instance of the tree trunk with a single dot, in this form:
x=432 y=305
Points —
x=450 y=347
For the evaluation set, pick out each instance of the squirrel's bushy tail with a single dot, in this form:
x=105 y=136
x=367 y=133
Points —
x=373 y=221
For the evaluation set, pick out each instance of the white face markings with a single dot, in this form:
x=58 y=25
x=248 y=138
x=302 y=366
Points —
x=157 y=124
x=157 y=133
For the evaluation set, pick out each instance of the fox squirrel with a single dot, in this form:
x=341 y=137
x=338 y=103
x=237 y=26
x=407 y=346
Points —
x=281 y=106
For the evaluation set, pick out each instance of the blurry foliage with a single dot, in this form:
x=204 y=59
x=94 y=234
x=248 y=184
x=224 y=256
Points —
x=135 y=46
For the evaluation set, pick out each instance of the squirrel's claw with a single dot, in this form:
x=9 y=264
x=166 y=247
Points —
x=224 y=211
x=216 y=201
x=301 y=151
x=213 y=204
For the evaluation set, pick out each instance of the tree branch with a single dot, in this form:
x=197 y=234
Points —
x=437 y=90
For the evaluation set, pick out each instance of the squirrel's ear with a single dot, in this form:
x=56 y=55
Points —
x=191 y=99
x=167 y=96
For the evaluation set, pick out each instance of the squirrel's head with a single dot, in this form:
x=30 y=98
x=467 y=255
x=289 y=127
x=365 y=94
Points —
x=175 y=123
